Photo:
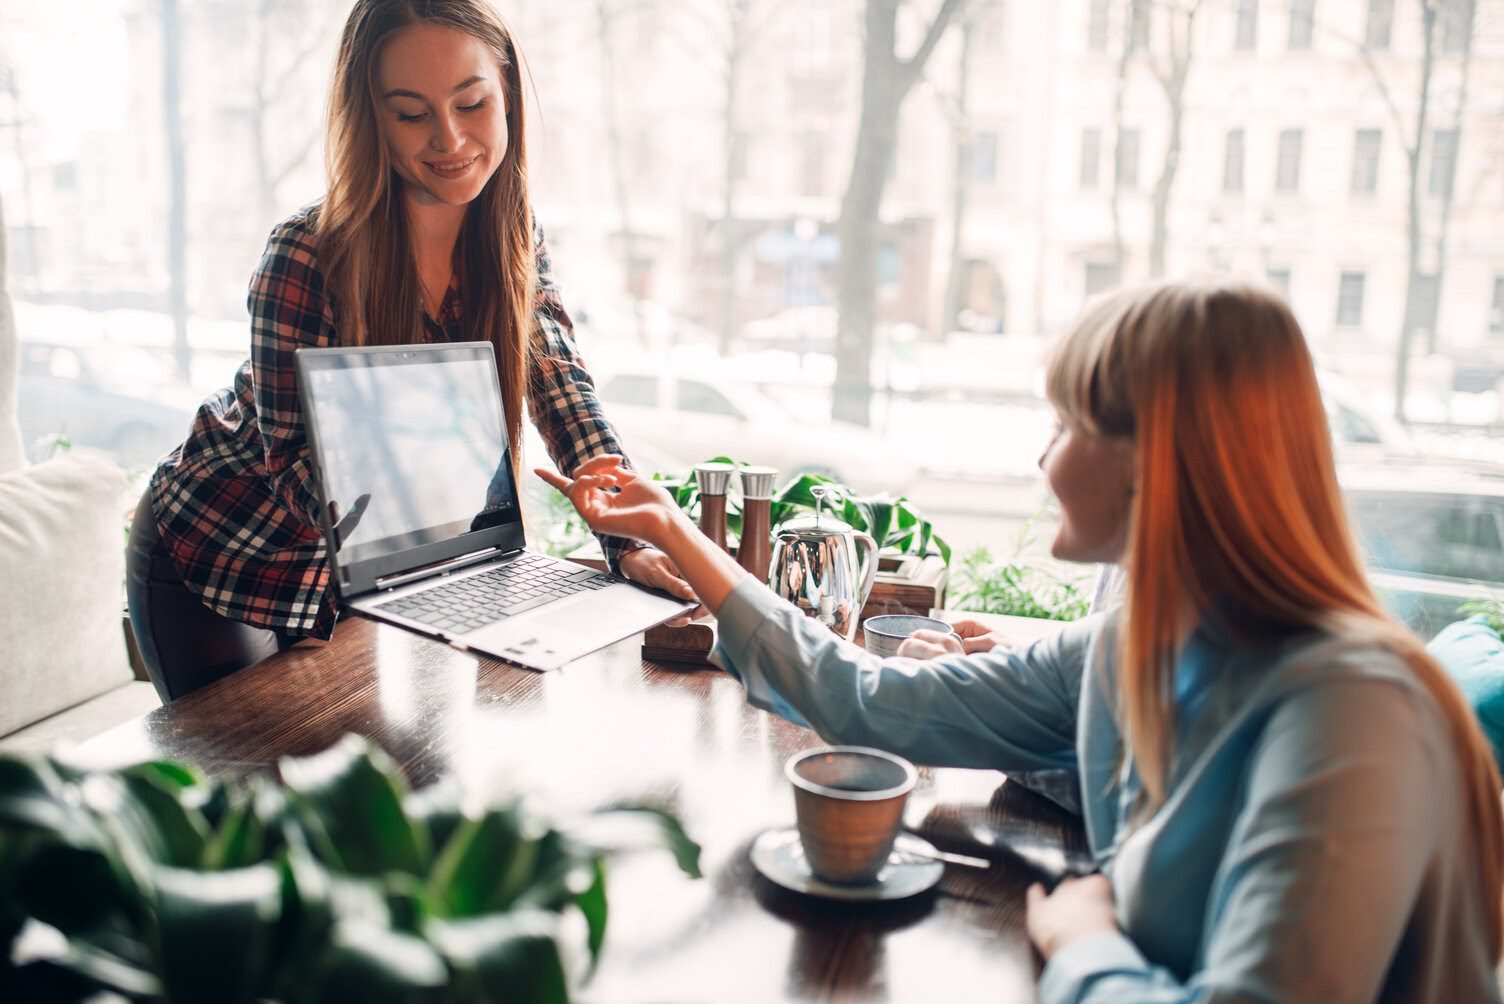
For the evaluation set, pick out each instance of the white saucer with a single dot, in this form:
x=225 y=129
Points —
x=780 y=857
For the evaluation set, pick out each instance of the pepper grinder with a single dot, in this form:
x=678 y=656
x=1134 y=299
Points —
x=713 y=479
x=757 y=500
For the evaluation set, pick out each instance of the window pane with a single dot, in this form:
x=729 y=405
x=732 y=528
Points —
x=1287 y=172
x=984 y=158
x=1366 y=145
x=1279 y=278
x=699 y=397
x=1100 y=277
x=1350 y=300
x=1425 y=303
x=1380 y=24
x=631 y=389
x=1496 y=308
x=1127 y=159
x=1091 y=157
x=1443 y=162
x=1245 y=34
x=1232 y=163
x=1096 y=26
x=1302 y=23
x=1455 y=23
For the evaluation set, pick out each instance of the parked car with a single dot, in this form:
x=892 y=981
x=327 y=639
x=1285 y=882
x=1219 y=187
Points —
x=692 y=418
x=63 y=392
x=1433 y=538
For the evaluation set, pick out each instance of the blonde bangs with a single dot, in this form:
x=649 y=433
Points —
x=1085 y=380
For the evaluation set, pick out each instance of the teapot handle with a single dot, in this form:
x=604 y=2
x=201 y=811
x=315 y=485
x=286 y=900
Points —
x=870 y=574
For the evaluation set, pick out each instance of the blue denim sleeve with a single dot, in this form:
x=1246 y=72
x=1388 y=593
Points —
x=999 y=710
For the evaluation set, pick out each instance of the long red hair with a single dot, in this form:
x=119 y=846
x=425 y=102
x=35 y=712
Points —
x=1237 y=503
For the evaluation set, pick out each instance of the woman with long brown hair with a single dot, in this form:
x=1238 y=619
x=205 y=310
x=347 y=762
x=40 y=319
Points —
x=425 y=234
x=1285 y=796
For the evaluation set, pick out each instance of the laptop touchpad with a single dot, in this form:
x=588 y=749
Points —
x=550 y=636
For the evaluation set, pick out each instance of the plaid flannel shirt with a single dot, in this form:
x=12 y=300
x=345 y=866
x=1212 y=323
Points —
x=235 y=503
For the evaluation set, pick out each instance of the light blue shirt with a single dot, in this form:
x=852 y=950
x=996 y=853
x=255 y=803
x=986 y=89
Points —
x=1314 y=845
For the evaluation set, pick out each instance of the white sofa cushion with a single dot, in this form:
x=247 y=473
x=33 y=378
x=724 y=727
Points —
x=62 y=566
x=12 y=451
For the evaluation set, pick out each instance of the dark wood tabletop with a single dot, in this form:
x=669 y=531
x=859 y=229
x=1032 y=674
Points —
x=612 y=727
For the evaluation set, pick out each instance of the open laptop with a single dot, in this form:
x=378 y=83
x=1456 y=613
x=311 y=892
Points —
x=419 y=507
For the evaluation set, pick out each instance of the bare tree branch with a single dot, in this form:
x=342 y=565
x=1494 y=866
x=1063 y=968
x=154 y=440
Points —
x=910 y=69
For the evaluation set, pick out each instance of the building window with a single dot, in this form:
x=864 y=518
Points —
x=1246 y=32
x=1139 y=12
x=1302 y=24
x=1424 y=304
x=1091 y=158
x=812 y=164
x=1232 y=163
x=1096 y=26
x=1443 y=162
x=1380 y=25
x=1126 y=159
x=1279 y=278
x=984 y=158
x=1100 y=277
x=1287 y=170
x=1350 y=300
x=1366 y=145
x=1455 y=22
x=1496 y=308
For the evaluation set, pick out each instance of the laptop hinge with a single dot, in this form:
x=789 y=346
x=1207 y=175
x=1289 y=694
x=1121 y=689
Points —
x=440 y=567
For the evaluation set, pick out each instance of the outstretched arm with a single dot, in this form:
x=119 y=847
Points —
x=1001 y=710
x=616 y=500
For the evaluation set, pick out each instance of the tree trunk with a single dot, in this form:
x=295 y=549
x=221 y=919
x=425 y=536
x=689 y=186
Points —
x=1173 y=83
x=1448 y=198
x=1412 y=227
x=730 y=236
x=177 y=216
x=955 y=276
x=1119 y=92
x=885 y=81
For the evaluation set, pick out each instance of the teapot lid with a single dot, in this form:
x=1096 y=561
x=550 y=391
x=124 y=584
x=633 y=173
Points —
x=818 y=523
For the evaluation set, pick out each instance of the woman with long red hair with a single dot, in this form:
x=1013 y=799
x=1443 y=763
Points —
x=1286 y=797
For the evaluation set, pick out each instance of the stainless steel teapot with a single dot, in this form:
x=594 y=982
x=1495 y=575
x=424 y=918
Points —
x=817 y=568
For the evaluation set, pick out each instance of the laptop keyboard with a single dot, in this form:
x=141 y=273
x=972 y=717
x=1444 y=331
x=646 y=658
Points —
x=521 y=584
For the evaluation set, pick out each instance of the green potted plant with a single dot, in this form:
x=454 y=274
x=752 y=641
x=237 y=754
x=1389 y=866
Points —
x=338 y=883
x=897 y=525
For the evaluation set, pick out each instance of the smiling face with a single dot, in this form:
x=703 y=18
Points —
x=1092 y=476
x=441 y=112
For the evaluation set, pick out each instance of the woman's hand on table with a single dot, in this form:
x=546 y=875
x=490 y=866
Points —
x=1078 y=908
x=975 y=637
x=651 y=567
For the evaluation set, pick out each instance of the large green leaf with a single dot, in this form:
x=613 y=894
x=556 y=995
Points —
x=514 y=957
x=368 y=964
x=350 y=800
x=74 y=889
x=181 y=829
x=215 y=931
x=79 y=971
x=486 y=864
x=240 y=839
x=438 y=809
x=592 y=904
x=305 y=924
x=33 y=796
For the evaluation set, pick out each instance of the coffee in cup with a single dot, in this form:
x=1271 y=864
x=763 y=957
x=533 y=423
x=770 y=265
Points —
x=848 y=801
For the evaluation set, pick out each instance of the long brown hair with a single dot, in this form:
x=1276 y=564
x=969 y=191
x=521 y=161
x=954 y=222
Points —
x=1237 y=510
x=364 y=246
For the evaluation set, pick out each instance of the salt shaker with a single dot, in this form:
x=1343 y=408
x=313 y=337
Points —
x=757 y=500
x=713 y=479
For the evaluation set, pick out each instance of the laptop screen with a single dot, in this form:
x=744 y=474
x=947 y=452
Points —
x=411 y=448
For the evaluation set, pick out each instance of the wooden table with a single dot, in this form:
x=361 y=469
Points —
x=612 y=727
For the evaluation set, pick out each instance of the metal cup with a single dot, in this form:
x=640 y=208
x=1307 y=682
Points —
x=848 y=801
